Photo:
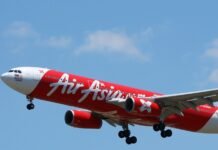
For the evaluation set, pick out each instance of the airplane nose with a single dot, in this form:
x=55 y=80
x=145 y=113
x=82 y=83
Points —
x=23 y=79
x=4 y=77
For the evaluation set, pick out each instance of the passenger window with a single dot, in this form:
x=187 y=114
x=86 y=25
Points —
x=10 y=71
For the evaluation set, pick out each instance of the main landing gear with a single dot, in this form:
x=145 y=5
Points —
x=30 y=106
x=125 y=133
x=161 y=127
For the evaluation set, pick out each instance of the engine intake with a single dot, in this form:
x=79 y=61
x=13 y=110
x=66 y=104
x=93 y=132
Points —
x=129 y=104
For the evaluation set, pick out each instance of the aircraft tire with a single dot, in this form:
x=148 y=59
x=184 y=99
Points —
x=121 y=134
x=163 y=134
x=168 y=132
x=30 y=106
x=156 y=127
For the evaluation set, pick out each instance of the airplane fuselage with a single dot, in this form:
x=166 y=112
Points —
x=96 y=95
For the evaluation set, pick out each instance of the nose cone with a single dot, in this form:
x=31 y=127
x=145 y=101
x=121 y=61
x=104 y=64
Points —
x=8 y=79
x=15 y=81
x=5 y=78
x=2 y=77
x=23 y=79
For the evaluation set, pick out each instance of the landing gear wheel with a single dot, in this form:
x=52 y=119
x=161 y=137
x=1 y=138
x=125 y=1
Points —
x=121 y=134
x=126 y=133
x=128 y=140
x=168 y=133
x=133 y=139
x=156 y=127
x=163 y=134
x=161 y=126
x=30 y=106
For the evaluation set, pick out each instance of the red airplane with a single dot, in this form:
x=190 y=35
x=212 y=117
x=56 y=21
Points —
x=116 y=104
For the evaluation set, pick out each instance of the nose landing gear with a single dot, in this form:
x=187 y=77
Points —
x=30 y=106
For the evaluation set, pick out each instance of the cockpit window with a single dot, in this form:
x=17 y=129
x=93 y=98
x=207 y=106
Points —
x=16 y=71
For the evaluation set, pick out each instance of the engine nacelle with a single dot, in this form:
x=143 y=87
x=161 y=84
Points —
x=82 y=119
x=141 y=106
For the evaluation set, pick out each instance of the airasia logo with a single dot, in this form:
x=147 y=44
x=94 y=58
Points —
x=97 y=89
x=146 y=105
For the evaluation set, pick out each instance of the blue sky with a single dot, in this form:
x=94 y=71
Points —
x=165 y=46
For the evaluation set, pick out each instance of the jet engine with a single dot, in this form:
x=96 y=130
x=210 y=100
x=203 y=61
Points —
x=82 y=119
x=141 y=105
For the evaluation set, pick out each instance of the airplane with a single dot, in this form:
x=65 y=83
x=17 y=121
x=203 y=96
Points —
x=116 y=104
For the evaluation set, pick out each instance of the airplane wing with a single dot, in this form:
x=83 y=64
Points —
x=176 y=103
x=110 y=118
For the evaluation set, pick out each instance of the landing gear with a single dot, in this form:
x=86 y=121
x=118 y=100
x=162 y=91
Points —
x=125 y=133
x=30 y=106
x=131 y=140
x=166 y=133
x=161 y=127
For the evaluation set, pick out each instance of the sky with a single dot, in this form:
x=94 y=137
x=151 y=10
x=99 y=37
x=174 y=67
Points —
x=164 y=46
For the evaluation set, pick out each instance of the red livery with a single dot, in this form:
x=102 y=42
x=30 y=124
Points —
x=116 y=104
